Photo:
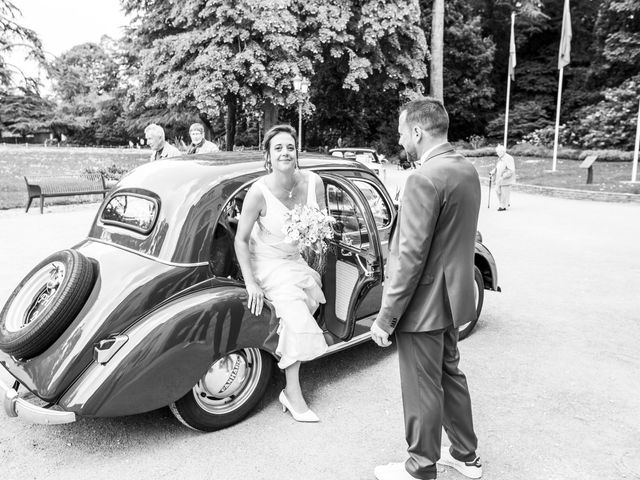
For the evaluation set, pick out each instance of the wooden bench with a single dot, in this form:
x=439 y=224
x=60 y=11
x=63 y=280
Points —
x=63 y=186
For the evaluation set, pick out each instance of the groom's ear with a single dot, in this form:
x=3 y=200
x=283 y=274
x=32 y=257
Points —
x=416 y=132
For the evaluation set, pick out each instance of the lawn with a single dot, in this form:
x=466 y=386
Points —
x=19 y=161
x=607 y=176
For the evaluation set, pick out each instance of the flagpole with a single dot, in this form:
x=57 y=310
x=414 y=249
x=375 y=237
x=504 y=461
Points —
x=555 y=138
x=506 y=112
x=634 y=170
x=510 y=74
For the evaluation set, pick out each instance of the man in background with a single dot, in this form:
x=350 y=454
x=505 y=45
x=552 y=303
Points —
x=154 y=135
x=504 y=175
x=199 y=144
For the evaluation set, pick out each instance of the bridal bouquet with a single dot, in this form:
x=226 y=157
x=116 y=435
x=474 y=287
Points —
x=309 y=228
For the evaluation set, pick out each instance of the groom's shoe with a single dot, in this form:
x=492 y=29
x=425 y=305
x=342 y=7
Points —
x=392 y=471
x=471 y=469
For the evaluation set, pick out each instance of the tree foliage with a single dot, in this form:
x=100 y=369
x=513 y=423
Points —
x=218 y=51
x=12 y=36
x=25 y=112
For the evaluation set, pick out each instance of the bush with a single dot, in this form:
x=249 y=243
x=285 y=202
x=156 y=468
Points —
x=111 y=173
x=608 y=155
x=480 y=152
x=477 y=141
x=611 y=123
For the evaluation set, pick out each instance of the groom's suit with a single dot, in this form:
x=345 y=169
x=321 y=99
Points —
x=428 y=292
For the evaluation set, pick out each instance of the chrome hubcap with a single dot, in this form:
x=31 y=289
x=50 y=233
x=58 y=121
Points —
x=229 y=382
x=35 y=296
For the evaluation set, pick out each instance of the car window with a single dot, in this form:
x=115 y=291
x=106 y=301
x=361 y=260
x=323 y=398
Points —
x=379 y=207
x=134 y=212
x=350 y=227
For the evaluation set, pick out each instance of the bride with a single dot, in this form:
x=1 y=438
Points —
x=274 y=269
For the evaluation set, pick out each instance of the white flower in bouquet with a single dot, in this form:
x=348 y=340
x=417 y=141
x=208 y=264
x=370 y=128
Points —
x=311 y=229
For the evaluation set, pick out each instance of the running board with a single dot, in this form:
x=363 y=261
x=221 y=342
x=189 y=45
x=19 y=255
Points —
x=363 y=337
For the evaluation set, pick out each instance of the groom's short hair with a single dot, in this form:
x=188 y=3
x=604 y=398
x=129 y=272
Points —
x=429 y=114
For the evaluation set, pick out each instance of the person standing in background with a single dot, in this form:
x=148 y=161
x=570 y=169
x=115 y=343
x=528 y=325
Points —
x=154 y=135
x=504 y=175
x=199 y=144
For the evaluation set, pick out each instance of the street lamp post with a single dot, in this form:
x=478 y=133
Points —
x=300 y=84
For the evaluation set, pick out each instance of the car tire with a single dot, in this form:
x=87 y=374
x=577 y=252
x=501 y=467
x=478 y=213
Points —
x=478 y=293
x=229 y=390
x=45 y=303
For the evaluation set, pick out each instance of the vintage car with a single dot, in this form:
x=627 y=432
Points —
x=368 y=156
x=150 y=309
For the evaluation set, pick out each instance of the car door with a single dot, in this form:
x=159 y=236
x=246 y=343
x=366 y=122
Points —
x=354 y=260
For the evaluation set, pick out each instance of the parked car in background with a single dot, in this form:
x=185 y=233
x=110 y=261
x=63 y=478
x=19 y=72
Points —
x=150 y=310
x=368 y=156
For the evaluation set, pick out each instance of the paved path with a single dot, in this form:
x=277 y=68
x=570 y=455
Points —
x=553 y=370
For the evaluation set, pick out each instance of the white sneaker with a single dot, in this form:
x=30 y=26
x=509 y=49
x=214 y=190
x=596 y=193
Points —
x=392 y=471
x=471 y=469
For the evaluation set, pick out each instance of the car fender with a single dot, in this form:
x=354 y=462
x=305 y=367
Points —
x=168 y=351
x=485 y=262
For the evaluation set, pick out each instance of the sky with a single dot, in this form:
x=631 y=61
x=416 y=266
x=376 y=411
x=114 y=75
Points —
x=61 y=24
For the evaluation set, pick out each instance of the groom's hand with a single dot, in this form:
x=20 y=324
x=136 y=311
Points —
x=379 y=336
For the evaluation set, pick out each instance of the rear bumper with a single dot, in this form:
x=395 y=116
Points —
x=15 y=406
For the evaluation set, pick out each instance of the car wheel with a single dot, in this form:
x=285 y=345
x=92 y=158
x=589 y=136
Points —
x=227 y=392
x=478 y=295
x=45 y=303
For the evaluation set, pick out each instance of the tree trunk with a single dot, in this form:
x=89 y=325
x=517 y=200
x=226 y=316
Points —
x=270 y=115
x=437 y=49
x=230 y=123
x=208 y=131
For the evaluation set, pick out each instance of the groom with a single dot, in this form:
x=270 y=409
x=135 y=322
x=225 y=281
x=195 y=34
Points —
x=428 y=293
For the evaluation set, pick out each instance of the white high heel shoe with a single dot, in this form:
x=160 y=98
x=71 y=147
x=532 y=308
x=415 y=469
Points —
x=307 y=416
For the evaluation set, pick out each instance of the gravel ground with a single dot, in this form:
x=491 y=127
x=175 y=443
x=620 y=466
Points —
x=551 y=368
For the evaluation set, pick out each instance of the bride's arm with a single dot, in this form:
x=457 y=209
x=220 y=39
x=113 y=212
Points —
x=252 y=207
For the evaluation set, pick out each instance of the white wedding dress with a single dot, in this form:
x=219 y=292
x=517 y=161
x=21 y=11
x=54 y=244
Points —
x=289 y=283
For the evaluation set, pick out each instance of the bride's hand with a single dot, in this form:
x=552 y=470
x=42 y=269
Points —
x=256 y=298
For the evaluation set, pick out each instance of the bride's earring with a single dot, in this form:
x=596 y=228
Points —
x=267 y=163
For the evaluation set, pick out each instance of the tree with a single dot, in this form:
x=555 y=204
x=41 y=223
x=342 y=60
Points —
x=25 y=112
x=13 y=35
x=466 y=66
x=210 y=54
x=86 y=82
x=437 y=50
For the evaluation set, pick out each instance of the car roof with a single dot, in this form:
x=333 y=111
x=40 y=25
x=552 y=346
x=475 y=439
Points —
x=192 y=190
x=354 y=149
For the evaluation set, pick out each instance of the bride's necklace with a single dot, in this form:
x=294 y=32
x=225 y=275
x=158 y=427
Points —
x=290 y=192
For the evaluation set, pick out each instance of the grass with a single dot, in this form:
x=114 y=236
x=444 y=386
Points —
x=19 y=161
x=607 y=176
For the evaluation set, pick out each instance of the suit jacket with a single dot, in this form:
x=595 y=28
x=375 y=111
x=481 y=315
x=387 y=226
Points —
x=167 y=151
x=429 y=278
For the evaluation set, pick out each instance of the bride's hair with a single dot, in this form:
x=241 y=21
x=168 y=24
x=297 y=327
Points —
x=266 y=143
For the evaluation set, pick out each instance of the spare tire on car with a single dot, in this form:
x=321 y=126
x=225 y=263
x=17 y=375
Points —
x=45 y=303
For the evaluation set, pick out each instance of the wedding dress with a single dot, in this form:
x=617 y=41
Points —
x=289 y=283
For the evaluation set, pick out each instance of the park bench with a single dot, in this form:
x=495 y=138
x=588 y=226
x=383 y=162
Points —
x=63 y=186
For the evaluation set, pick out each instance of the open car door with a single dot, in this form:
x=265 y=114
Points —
x=354 y=260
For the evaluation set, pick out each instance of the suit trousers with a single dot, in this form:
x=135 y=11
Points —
x=434 y=395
